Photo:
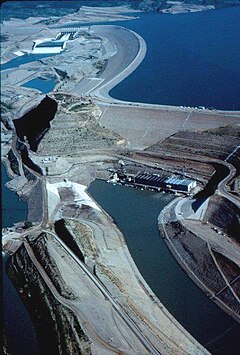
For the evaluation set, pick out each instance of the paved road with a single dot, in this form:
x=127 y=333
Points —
x=222 y=186
x=130 y=50
x=134 y=328
x=219 y=243
x=69 y=303
x=233 y=152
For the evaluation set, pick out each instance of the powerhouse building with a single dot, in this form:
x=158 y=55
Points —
x=185 y=185
x=159 y=182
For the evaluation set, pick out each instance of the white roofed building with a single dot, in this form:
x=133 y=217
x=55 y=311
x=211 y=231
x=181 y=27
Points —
x=178 y=184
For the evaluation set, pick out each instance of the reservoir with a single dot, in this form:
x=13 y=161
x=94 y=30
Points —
x=135 y=212
x=192 y=60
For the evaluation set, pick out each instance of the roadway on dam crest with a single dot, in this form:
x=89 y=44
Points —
x=150 y=123
x=127 y=50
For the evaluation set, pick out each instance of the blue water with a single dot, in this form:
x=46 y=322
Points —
x=16 y=320
x=23 y=59
x=42 y=85
x=192 y=60
x=13 y=209
x=136 y=212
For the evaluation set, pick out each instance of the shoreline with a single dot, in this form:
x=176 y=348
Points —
x=101 y=94
x=103 y=91
x=162 y=220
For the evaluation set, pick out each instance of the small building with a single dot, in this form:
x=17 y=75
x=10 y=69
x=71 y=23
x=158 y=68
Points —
x=114 y=178
x=184 y=185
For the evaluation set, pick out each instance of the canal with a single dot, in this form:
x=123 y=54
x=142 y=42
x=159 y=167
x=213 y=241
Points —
x=23 y=59
x=45 y=85
x=135 y=212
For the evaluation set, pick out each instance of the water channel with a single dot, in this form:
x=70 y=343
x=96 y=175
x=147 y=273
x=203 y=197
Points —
x=16 y=320
x=45 y=85
x=13 y=209
x=23 y=59
x=135 y=212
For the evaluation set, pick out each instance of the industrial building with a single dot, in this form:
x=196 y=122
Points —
x=66 y=35
x=151 y=180
x=49 y=46
x=155 y=181
x=56 y=45
x=184 y=185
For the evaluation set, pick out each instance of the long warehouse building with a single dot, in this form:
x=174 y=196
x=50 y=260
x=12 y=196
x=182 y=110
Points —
x=171 y=183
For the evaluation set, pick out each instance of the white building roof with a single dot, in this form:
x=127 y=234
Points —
x=177 y=181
